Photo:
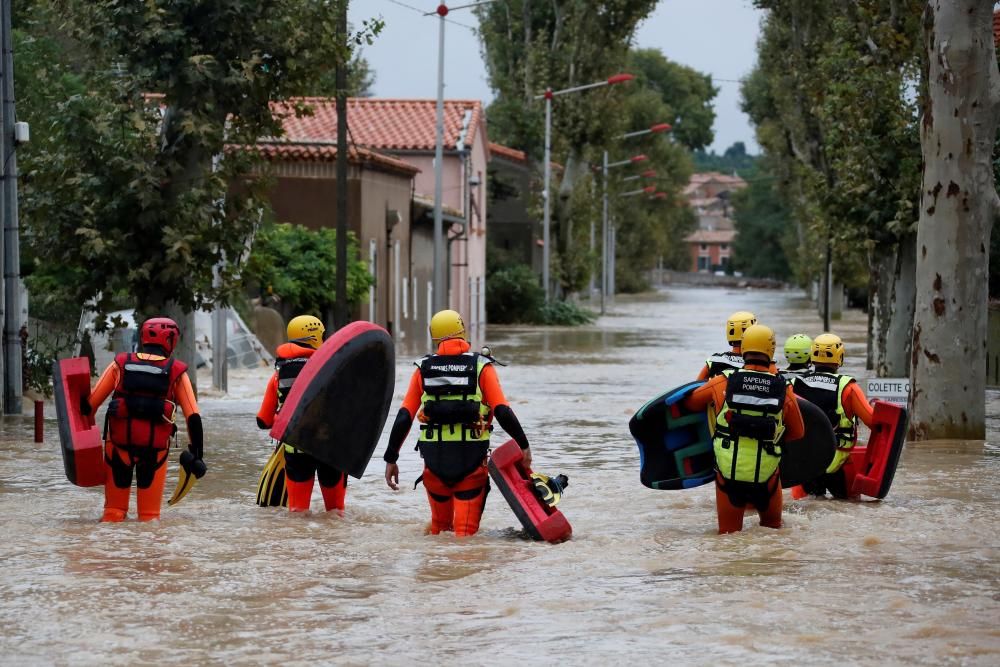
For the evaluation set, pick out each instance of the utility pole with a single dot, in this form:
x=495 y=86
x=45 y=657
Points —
x=11 y=248
x=340 y=310
x=440 y=256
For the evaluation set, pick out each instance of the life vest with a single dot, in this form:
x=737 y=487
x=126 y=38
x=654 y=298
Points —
x=791 y=373
x=455 y=433
x=826 y=391
x=722 y=362
x=141 y=412
x=749 y=426
x=290 y=361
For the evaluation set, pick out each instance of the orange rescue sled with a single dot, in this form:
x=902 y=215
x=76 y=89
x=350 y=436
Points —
x=871 y=468
x=80 y=438
x=513 y=478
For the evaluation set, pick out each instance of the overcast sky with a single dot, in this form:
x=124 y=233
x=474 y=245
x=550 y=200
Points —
x=717 y=37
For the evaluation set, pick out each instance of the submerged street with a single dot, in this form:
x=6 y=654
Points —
x=222 y=581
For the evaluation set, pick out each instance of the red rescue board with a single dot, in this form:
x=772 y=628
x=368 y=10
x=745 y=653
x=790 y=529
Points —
x=506 y=466
x=871 y=468
x=79 y=437
x=341 y=398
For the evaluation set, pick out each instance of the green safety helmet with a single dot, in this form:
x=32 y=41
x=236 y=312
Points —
x=798 y=348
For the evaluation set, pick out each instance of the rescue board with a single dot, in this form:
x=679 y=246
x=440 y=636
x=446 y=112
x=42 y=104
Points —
x=676 y=452
x=808 y=458
x=79 y=436
x=675 y=444
x=339 y=402
x=871 y=468
x=513 y=478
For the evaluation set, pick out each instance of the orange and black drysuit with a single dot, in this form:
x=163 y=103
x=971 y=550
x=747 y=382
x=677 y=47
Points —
x=145 y=390
x=301 y=468
x=844 y=403
x=756 y=413
x=455 y=394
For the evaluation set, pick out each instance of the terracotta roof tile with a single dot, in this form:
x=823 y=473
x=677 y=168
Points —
x=512 y=154
x=327 y=152
x=386 y=124
x=716 y=176
x=711 y=236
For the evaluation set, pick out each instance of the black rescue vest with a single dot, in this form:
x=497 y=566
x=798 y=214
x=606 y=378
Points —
x=723 y=361
x=749 y=426
x=455 y=437
x=288 y=370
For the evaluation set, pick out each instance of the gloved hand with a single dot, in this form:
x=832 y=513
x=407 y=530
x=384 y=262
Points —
x=85 y=408
x=261 y=424
x=197 y=436
x=193 y=465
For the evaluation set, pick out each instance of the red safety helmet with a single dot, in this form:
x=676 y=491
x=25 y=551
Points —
x=161 y=331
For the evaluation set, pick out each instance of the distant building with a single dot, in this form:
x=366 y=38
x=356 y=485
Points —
x=710 y=195
x=388 y=133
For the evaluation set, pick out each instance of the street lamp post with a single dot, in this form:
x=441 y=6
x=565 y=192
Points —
x=546 y=195
x=439 y=255
x=607 y=284
x=439 y=292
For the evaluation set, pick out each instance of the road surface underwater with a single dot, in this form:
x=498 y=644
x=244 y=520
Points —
x=909 y=580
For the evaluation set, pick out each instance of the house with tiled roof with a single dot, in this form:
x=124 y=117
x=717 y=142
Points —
x=390 y=132
x=709 y=195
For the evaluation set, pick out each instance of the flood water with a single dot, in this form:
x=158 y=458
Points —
x=908 y=580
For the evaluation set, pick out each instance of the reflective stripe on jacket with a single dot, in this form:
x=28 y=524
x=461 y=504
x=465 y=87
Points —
x=723 y=361
x=452 y=401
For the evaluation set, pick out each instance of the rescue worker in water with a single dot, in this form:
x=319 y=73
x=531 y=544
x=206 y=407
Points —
x=755 y=413
x=146 y=388
x=731 y=359
x=455 y=394
x=305 y=335
x=839 y=396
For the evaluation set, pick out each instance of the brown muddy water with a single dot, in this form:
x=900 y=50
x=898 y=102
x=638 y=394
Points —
x=909 y=580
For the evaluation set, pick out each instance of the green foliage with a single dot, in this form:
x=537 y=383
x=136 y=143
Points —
x=765 y=229
x=298 y=267
x=835 y=100
x=734 y=159
x=513 y=295
x=685 y=94
x=530 y=46
x=130 y=194
x=565 y=313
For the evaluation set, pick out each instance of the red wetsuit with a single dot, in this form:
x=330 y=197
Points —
x=147 y=462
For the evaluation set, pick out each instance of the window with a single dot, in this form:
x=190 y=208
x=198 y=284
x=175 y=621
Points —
x=724 y=246
x=704 y=247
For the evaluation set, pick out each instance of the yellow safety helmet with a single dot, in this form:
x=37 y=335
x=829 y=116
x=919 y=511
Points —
x=447 y=324
x=798 y=348
x=760 y=339
x=828 y=349
x=737 y=324
x=306 y=329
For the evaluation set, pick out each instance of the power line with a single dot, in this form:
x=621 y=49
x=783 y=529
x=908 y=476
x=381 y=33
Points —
x=423 y=13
